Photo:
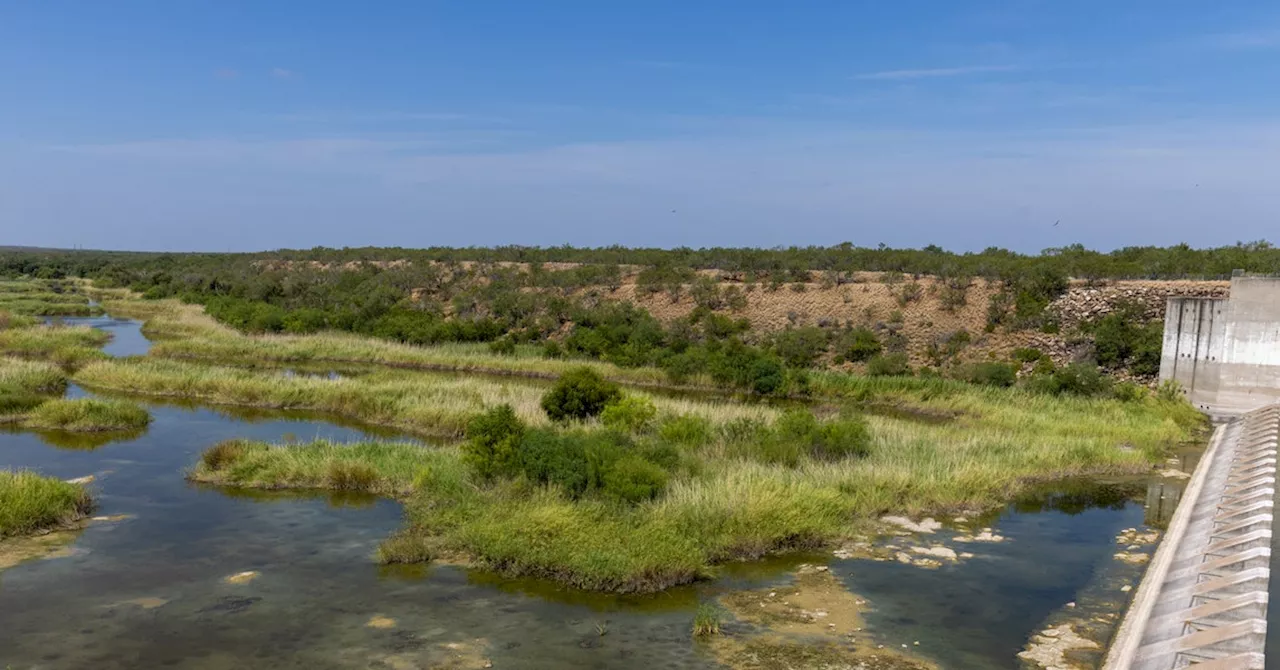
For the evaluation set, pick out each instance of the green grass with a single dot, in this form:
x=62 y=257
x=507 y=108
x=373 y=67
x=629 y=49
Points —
x=69 y=346
x=945 y=446
x=185 y=332
x=385 y=468
x=728 y=506
x=25 y=385
x=30 y=503
x=50 y=304
x=706 y=621
x=89 y=415
x=10 y=320
x=33 y=376
x=441 y=404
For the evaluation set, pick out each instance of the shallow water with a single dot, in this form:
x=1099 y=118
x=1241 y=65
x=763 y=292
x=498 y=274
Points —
x=148 y=590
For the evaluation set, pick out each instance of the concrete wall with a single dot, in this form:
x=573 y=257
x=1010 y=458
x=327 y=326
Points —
x=1226 y=352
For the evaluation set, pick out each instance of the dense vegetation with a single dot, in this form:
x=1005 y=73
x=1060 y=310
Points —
x=586 y=478
x=512 y=296
x=30 y=503
x=647 y=496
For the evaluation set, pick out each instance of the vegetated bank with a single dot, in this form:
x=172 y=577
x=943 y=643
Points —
x=751 y=318
x=617 y=494
x=30 y=503
x=29 y=391
x=640 y=492
x=40 y=297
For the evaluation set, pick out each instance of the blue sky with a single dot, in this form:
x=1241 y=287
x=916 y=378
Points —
x=254 y=125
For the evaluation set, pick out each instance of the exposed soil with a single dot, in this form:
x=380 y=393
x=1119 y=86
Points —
x=812 y=623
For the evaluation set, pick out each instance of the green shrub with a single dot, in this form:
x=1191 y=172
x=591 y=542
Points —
x=891 y=365
x=549 y=458
x=351 y=476
x=847 y=437
x=689 y=430
x=857 y=345
x=580 y=393
x=633 y=479
x=798 y=433
x=1122 y=340
x=493 y=442
x=632 y=414
x=800 y=347
x=552 y=349
x=663 y=454
x=1129 y=392
x=1082 y=379
x=990 y=373
x=1027 y=354
x=224 y=453
x=767 y=376
x=1170 y=391
x=503 y=346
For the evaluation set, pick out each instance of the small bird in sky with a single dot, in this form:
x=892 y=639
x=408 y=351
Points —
x=1055 y=223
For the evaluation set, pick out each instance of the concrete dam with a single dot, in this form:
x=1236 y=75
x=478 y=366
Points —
x=1204 y=599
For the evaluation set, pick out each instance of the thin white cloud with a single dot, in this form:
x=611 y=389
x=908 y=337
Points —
x=927 y=73
x=281 y=73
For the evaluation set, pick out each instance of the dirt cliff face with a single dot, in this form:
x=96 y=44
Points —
x=869 y=301
x=925 y=310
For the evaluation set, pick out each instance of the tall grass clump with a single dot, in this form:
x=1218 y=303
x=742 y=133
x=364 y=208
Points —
x=435 y=403
x=66 y=345
x=87 y=415
x=30 y=503
x=31 y=376
x=386 y=468
x=24 y=385
x=706 y=620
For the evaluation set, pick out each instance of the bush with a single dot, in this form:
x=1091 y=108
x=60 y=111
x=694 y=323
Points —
x=767 y=376
x=800 y=347
x=798 y=432
x=1121 y=340
x=631 y=414
x=549 y=458
x=1129 y=392
x=990 y=374
x=552 y=349
x=305 y=321
x=891 y=365
x=493 y=442
x=1170 y=391
x=857 y=345
x=1027 y=354
x=688 y=430
x=351 y=476
x=224 y=454
x=1082 y=379
x=633 y=479
x=580 y=393
x=503 y=346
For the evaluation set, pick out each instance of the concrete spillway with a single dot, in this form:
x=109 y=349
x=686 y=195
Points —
x=1204 y=599
x=1225 y=352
